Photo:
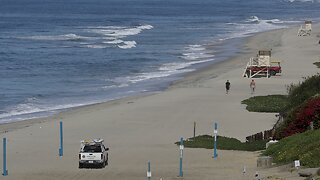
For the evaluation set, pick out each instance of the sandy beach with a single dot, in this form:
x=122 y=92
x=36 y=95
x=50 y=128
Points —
x=142 y=129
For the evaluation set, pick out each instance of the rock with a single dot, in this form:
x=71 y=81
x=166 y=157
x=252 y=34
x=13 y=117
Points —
x=264 y=161
x=308 y=172
x=305 y=174
x=270 y=142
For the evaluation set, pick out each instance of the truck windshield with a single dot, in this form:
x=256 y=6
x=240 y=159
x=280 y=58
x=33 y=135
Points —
x=92 y=148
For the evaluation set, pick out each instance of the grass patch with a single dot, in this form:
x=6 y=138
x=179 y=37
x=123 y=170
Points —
x=304 y=147
x=317 y=64
x=270 y=103
x=223 y=143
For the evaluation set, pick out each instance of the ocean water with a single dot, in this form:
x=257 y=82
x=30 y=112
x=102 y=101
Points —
x=57 y=54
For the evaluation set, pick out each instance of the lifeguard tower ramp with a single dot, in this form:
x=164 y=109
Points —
x=305 y=30
x=259 y=65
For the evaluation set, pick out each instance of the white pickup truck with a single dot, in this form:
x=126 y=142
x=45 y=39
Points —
x=93 y=153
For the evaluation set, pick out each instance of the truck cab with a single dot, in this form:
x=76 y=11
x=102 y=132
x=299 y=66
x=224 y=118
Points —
x=275 y=68
x=93 y=153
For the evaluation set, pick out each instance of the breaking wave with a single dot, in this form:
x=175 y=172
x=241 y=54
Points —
x=313 y=1
x=255 y=19
x=127 y=44
x=98 y=37
x=191 y=55
x=254 y=24
x=64 y=37
x=196 y=52
x=119 y=32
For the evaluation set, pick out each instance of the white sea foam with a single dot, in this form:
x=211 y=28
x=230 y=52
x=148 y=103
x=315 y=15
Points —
x=98 y=36
x=165 y=70
x=193 y=56
x=146 y=26
x=24 y=108
x=253 y=25
x=254 y=19
x=275 y=21
x=313 y=1
x=127 y=45
x=173 y=67
x=116 y=34
x=95 y=46
x=33 y=110
x=116 y=41
x=155 y=75
x=119 y=32
x=116 y=86
x=101 y=27
x=176 y=67
x=196 y=47
x=196 y=52
x=64 y=37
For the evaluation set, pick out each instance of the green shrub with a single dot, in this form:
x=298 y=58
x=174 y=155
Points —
x=317 y=64
x=304 y=147
x=270 y=103
x=298 y=94
x=298 y=108
x=223 y=143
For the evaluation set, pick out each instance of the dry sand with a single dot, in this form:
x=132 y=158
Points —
x=142 y=129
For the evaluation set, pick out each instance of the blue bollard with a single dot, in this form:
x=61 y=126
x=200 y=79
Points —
x=149 y=171
x=61 y=140
x=5 y=171
x=181 y=157
x=215 y=155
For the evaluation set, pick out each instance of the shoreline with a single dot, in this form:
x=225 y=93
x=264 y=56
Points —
x=142 y=129
x=248 y=49
x=190 y=77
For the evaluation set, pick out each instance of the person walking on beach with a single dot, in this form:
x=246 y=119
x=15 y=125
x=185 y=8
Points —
x=227 y=86
x=252 y=86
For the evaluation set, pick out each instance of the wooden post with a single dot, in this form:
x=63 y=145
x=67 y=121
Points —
x=264 y=161
x=311 y=125
x=194 y=131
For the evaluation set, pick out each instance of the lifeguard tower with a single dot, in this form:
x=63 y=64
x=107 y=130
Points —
x=305 y=30
x=261 y=65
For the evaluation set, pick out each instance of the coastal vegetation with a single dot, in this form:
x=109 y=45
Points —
x=298 y=94
x=301 y=114
x=224 y=143
x=317 y=64
x=270 y=103
x=301 y=118
x=300 y=108
x=304 y=146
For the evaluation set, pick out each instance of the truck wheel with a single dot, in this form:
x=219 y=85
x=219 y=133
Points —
x=80 y=166
x=273 y=73
x=103 y=165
